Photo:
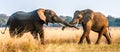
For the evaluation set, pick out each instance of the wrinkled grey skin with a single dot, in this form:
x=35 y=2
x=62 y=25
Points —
x=94 y=21
x=21 y=22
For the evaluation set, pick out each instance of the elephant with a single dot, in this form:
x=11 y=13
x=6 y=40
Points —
x=90 y=20
x=21 y=22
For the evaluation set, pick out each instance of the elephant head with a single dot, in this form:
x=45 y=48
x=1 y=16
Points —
x=82 y=16
x=49 y=16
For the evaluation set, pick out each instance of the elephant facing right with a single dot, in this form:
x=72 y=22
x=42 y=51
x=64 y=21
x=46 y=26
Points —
x=90 y=20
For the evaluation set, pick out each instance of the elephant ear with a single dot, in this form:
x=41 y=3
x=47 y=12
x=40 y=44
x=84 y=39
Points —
x=41 y=14
x=88 y=16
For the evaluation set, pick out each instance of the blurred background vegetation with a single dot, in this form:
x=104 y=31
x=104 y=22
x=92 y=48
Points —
x=113 y=21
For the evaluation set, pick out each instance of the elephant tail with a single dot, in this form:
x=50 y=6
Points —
x=4 y=30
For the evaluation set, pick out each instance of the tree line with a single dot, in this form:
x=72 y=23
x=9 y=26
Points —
x=113 y=21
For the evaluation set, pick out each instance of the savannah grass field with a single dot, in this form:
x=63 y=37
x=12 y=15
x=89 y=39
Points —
x=57 y=40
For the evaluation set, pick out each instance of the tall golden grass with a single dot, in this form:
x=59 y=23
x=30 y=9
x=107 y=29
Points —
x=57 y=40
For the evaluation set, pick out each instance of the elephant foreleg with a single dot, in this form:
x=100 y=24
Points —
x=42 y=37
x=41 y=34
x=34 y=34
x=81 y=39
x=12 y=32
x=20 y=35
x=86 y=28
x=88 y=39
x=85 y=34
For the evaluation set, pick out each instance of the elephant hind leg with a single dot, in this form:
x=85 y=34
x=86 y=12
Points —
x=106 y=35
x=99 y=37
x=108 y=39
x=100 y=34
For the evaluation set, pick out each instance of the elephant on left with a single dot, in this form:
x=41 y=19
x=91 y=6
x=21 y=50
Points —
x=21 y=22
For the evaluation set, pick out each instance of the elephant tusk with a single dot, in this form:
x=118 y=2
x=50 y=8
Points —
x=77 y=23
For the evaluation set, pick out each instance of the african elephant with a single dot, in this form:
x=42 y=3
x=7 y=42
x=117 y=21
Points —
x=21 y=22
x=94 y=21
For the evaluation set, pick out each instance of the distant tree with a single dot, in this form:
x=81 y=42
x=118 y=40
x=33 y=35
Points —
x=62 y=17
x=3 y=19
x=113 y=21
x=117 y=21
x=3 y=16
x=68 y=19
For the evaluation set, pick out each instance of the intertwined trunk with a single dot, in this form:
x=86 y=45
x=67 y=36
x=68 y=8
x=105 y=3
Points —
x=59 y=20
x=72 y=23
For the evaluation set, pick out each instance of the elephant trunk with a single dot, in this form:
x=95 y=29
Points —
x=59 y=20
x=73 y=23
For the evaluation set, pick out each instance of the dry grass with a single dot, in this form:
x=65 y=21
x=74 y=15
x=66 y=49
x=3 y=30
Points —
x=57 y=40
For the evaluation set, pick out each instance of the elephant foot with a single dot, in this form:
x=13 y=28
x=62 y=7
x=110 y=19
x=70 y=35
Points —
x=89 y=43
x=80 y=42
x=36 y=38
x=97 y=43
x=42 y=43
x=109 y=42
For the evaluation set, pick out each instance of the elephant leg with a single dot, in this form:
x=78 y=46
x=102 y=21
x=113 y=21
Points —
x=88 y=39
x=20 y=35
x=81 y=39
x=100 y=34
x=106 y=35
x=108 y=39
x=42 y=37
x=85 y=34
x=34 y=34
x=99 y=37
x=20 y=32
x=12 y=32
x=41 y=34
x=86 y=28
